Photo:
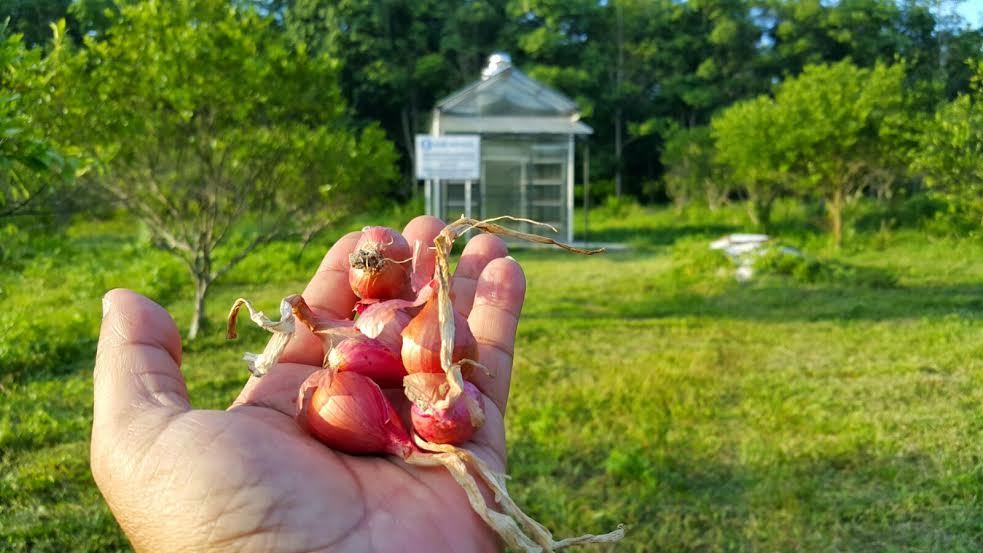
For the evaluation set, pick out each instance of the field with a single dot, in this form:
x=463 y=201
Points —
x=832 y=408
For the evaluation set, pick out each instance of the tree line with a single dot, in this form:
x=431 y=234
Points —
x=638 y=68
x=196 y=115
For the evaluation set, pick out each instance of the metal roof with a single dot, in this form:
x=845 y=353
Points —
x=512 y=125
x=508 y=92
x=507 y=101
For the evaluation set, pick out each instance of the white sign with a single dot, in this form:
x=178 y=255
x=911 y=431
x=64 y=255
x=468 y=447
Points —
x=456 y=157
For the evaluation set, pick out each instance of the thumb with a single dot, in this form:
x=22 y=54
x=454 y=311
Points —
x=137 y=363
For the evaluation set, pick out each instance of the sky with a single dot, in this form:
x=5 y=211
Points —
x=971 y=10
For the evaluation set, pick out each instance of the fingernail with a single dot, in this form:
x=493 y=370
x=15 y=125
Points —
x=510 y=258
x=106 y=306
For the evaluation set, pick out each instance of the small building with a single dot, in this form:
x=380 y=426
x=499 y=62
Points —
x=527 y=133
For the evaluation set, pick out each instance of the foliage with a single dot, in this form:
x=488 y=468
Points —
x=692 y=170
x=846 y=130
x=30 y=166
x=747 y=135
x=830 y=132
x=950 y=152
x=198 y=115
x=806 y=269
x=397 y=58
x=633 y=66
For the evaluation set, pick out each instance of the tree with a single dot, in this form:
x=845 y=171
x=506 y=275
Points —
x=399 y=57
x=844 y=126
x=637 y=66
x=33 y=18
x=950 y=152
x=30 y=166
x=692 y=170
x=214 y=133
x=746 y=135
x=828 y=133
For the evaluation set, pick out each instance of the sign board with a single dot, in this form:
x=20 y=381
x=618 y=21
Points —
x=454 y=157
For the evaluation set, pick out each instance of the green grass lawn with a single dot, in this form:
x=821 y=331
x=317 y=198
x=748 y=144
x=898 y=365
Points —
x=650 y=388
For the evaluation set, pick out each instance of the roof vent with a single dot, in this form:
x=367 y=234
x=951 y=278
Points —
x=497 y=62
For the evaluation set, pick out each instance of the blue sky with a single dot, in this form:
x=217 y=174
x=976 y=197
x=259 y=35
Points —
x=971 y=10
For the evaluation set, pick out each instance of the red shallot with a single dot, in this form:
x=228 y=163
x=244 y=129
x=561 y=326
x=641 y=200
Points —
x=379 y=264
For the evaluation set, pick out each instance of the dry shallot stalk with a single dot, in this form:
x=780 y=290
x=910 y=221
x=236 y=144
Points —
x=443 y=244
x=292 y=309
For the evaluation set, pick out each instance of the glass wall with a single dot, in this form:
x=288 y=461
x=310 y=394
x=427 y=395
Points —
x=520 y=176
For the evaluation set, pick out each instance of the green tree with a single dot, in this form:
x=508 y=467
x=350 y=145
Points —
x=399 y=57
x=950 y=152
x=845 y=129
x=31 y=167
x=747 y=135
x=636 y=66
x=31 y=18
x=692 y=169
x=828 y=133
x=201 y=117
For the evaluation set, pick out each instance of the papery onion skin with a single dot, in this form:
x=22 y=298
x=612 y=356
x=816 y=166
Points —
x=421 y=341
x=447 y=426
x=379 y=265
x=368 y=357
x=348 y=412
x=391 y=334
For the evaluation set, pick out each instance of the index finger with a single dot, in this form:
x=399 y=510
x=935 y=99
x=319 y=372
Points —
x=328 y=294
x=422 y=230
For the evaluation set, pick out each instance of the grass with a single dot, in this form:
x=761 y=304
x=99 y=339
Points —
x=650 y=388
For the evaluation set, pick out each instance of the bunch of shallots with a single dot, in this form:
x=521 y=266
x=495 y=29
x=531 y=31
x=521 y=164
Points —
x=406 y=334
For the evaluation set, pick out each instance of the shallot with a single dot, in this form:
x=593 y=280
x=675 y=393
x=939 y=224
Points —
x=369 y=357
x=421 y=340
x=379 y=264
x=343 y=405
x=451 y=425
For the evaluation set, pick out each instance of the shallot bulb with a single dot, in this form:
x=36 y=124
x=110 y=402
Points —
x=368 y=357
x=453 y=425
x=348 y=412
x=386 y=325
x=421 y=340
x=379 y=265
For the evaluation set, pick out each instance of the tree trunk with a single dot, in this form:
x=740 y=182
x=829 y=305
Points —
x=835 y=209
x=619 y=80
x=617 y=152
x=201 y=273
x=409 y=139
x=198 y=319
x=759 y=209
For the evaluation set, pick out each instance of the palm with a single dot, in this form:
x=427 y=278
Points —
x=261 y=471
x=248 y=478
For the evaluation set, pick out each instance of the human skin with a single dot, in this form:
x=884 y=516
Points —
x=248 y=479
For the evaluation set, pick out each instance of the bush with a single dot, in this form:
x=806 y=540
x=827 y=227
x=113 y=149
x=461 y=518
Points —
x=776 y=261
x=614 y=206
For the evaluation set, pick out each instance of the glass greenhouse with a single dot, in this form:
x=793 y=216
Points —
x=527 y=161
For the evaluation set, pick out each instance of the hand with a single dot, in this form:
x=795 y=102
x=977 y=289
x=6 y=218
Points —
x=248 y=479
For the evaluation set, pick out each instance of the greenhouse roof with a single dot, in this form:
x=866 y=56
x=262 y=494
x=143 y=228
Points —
x=507 y=100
